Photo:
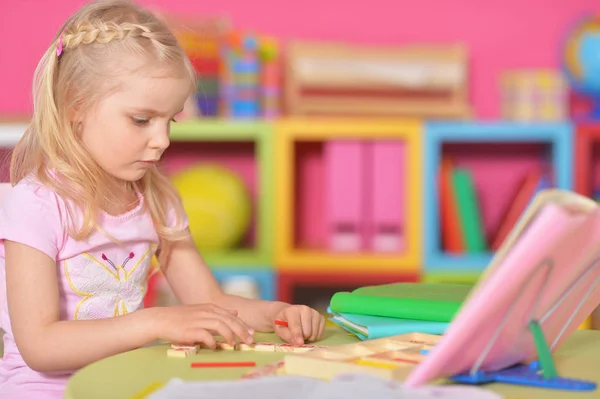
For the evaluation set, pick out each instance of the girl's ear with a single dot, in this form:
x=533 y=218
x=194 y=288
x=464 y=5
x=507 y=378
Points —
x=73 y=114
x=76 y=119
x=75 y=111
x=76 y=126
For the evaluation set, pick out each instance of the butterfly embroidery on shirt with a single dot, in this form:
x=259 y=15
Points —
x=108 y=288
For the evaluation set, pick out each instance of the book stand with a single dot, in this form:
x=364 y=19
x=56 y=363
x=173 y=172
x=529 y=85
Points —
x=540 y=286
x=539 y=373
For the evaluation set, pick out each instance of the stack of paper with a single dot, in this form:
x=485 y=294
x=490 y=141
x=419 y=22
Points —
x=400 y=308
x=347 y=386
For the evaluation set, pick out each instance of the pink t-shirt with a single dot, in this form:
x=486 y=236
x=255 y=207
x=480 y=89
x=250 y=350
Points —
x=97 y=278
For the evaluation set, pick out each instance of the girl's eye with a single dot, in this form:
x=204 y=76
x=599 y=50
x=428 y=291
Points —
x=173 y=120
x=140 y=121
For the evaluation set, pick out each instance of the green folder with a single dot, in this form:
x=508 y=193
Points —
x=468 y=211
x=415 y=301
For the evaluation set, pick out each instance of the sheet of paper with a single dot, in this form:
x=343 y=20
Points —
x=346 y=386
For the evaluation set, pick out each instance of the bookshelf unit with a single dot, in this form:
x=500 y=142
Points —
x=287 y=246
x=503 y=150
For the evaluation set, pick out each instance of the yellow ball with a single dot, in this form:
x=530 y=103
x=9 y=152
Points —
x=217 y=203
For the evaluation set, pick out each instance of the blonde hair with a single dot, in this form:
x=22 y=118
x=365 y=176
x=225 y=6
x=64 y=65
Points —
x=76 y=78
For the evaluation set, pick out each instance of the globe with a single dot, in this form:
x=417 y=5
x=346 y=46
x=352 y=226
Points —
x=581 y=60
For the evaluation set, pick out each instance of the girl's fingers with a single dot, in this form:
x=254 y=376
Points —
x=239 y=327
x=219 y=327
x=315 y=328
x=203 y=336
x=295 y=325
x=307 y=316
x=321 y=327
x=234 y=326
x=284 y=333
x=241 y=330
x=233 y=311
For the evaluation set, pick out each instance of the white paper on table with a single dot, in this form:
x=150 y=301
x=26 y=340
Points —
x=345 y=386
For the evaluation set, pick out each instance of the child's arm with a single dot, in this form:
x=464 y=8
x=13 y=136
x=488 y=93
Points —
x=192 y=282
x=48 y=344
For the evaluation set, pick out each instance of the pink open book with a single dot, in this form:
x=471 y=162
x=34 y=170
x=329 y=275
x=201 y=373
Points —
x=546 y=271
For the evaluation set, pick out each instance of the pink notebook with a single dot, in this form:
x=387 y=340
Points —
x=549 y=255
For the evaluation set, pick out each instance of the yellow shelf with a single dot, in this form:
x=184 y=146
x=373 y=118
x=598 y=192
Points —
x=290 y=131
x=315 y=260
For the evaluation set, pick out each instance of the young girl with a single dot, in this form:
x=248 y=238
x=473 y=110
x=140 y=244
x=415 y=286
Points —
x=88 y=209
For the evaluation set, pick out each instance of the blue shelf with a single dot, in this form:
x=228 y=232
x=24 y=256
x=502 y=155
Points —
x=558 y=135
x=264 y=278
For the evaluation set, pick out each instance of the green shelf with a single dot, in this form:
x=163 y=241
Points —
x=261 y=134
x=221 y=130
x=240 y=257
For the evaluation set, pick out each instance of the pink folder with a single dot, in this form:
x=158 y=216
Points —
x=387 y=180
x=345 y=194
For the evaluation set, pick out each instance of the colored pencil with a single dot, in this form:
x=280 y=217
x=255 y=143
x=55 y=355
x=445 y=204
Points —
x=281 y=323
x=223 y=364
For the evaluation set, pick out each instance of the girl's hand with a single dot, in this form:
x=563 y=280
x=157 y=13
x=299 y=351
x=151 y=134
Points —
x=304 y=324
x=196 y=324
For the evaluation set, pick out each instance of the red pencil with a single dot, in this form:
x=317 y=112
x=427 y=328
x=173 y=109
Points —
x=223 y=364
x=281 y=323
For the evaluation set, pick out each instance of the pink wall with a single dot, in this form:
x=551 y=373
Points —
x=501 y=33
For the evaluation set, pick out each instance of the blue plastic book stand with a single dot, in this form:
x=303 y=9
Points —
x=540 y=373
x=525 y=375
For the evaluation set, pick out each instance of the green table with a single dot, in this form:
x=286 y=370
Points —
x=124 y=375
